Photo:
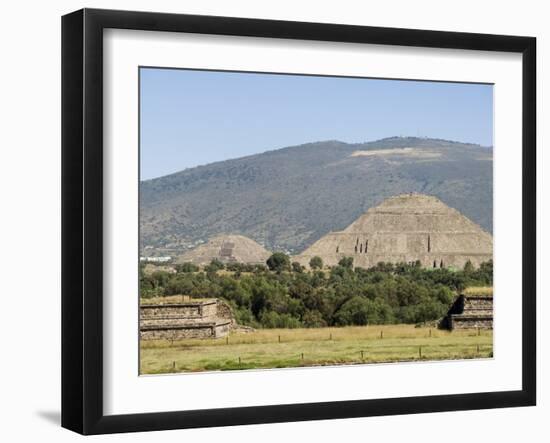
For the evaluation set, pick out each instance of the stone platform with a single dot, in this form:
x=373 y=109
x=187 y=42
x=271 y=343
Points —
x=470 y=311
x=193 y=319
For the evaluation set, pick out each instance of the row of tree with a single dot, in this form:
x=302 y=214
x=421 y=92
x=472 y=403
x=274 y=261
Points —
x=283 y=295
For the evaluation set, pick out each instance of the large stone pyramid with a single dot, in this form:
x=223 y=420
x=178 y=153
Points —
x=228 y=249
x=406 y=228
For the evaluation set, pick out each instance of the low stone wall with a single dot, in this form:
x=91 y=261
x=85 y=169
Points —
x=224 y=312
x=478 y=303
x=471 y=321
x=204 y=330
x=202 y=310
x=200 y=319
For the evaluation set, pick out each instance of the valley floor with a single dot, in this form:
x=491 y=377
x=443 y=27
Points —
x=283 y=348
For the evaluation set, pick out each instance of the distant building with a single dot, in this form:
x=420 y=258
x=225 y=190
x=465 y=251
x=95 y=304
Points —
x=227 y=249
x=155 y=259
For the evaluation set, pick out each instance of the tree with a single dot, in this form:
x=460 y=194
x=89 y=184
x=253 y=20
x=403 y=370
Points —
x=313 y=319
x=161 y=278
x=385 y=293
x=187 y=267
x=297 y=267
x=361 y=311
x=278 y=262
x=487 y=267
x=316 y=263
x=215 y=265
x=274 y=320
x=485 y=273
x=384 y=267
x=346 y=262
x=468 y=267
x=141 y=270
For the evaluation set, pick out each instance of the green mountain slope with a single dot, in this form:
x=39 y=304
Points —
x=288 y=198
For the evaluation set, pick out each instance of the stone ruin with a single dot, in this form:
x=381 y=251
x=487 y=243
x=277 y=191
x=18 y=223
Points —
x=405 y=229
x=227 y=249
x=469 y=311
x=192 y=319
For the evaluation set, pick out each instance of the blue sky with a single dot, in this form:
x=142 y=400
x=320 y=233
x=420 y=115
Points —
x=190 y=118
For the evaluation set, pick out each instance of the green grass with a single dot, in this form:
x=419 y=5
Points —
x=313 y=347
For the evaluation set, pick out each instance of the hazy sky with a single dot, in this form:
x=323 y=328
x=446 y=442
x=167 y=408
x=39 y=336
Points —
x=190 y=118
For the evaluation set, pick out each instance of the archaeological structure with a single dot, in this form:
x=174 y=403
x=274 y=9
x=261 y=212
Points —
x=227 y=249
x=191 y=319
x=470 y=311
x=406 y=228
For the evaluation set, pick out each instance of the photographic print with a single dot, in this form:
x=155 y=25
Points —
x=305 y=220
x=250 y=204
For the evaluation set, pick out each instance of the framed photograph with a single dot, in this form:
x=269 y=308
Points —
x=269 y=221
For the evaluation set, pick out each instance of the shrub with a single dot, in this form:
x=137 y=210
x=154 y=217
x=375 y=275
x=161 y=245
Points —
x=278 y=262
x=214 y=266
x=187 y=267
x=362 y=311
x=313 y=319
x=468 y=267
x=346 y=262
x=316 y=263
x=270 y=319
x=402 y=293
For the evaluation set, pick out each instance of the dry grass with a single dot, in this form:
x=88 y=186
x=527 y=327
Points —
x=149 y=268
x=479 y=290
x=278 y=348
x=170 y=299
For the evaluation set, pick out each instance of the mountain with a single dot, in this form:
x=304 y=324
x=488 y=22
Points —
x=289 y=198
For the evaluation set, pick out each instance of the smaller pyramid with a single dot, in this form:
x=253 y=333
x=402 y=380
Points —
x=227 y=249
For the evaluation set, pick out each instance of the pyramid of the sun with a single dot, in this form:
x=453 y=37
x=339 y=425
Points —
x=228 y=249
x=406 y=228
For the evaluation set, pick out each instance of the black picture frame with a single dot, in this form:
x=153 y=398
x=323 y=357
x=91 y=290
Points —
x=82 y=218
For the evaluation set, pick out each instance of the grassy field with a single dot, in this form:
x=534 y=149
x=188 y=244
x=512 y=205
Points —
x=479 y=290
x=282 y=348
x=170 y=299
